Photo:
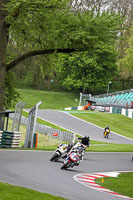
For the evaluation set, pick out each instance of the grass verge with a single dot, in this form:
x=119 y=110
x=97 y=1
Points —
x=10 y=192
x=40 y=121
x=50 y=100
x=50 y=144
x=122 y=184
x=97 y=148
x=111 y=148
x=117 y=123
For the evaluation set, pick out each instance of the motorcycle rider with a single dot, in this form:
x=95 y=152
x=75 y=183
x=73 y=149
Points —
x=106 y=128
x=65 y=145
x=59 y=152
x=69 y=147
x=85 y=142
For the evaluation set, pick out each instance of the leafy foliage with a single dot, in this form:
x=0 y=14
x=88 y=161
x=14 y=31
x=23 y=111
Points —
x=40 y=25
x=51 y=24
x=92 y=69
x=11 y=95
x=126 y=63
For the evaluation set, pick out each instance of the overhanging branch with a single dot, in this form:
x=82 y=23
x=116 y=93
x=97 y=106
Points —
x=35 y=53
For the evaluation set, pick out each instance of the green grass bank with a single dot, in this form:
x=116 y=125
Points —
x=10 y=192
x=117 y=122
x=50 y=100
x=122 y=184
x=59 y=100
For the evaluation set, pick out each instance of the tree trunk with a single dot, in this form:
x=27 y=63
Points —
x=3 y=47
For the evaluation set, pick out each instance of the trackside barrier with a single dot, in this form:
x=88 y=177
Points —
x=112 y=109
x=10 y=139
x=126 y=112
x=49 y=132
x=55 y=133
x=116 y=110
x=35 y=140
x=122 y=111
x=0 y=137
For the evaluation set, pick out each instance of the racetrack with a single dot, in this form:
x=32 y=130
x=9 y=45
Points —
x=32 y=169
x=76 y=125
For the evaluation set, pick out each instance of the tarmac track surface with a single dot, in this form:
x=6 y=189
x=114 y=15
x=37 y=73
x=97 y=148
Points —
x=33 y=169
x=76 y=125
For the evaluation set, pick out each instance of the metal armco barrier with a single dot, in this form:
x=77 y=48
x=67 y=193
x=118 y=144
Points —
x=48 y=131
x=116 y=110
x=9 y=139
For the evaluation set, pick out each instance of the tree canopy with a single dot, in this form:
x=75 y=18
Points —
x=126 y=62
x=91 y=70
x=40 y=27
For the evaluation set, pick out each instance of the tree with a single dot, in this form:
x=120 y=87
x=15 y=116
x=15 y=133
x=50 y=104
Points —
x=126 y=63
x=117 y=6
x=3 y=47
x=40 y=27
x=87 y=73
x=34 y=25
x=91 y=70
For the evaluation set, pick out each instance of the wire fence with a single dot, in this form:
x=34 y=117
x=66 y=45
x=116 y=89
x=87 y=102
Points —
x=50 y=132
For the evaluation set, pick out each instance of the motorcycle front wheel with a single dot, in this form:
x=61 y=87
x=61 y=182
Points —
x=104 y=134
x=65 y=165
x=54 y=157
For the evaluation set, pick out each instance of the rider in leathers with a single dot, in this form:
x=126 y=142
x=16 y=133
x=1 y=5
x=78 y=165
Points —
x=85 y=142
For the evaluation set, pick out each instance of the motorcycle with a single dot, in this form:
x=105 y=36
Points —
x=71 y=160
x=74 y=157
x=59 y=152
x=106 y=133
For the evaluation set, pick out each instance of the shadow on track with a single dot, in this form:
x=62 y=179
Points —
x=73 y=170
x=58 y=161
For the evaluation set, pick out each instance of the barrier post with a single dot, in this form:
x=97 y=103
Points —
x=47 y=139
x=35 y=141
